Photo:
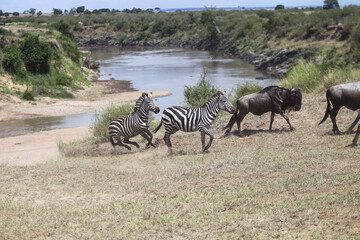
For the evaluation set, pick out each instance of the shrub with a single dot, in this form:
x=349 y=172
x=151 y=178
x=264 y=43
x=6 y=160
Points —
x=63 y=79
x=102 y=120
x=12 y=61
x=70 y=48
x=36 y=54
x=196 y=96
x=243 y=90
x=27 y=95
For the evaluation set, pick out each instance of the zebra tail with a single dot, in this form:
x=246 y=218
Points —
x=328 y=108
x=158 y=127
x=232 y=119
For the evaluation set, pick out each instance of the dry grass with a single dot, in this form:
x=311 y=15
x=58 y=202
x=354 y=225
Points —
x=281 y=184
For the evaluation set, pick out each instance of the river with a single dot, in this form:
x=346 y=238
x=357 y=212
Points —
x=149 y=69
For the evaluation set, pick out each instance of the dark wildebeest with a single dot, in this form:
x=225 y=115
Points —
x=272 y=99
x=347 y=95
x=356 y=135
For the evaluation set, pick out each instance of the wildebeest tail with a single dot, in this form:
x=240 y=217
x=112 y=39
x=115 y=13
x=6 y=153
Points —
x=231 y=121
x=158 y=127
x=328 y=108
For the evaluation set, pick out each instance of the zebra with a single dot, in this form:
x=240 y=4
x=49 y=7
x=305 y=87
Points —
x=134 y=124
x=177 y=118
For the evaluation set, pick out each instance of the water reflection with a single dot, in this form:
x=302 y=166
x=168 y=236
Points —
x=20 y=127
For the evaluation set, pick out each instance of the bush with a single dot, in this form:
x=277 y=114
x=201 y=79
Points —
x=27 y=96
x=36 y=54
x=243 y=90
x=63 y=79
x=196 y=96
x=12 y=61
x=102 y=120
x=70 y=48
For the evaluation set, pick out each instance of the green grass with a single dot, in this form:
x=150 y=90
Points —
x=314 y=77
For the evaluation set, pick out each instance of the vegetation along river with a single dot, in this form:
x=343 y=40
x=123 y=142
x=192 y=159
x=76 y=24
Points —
x=150 y=69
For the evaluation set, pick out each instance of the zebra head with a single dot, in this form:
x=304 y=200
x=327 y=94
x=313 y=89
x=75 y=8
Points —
x=148 y=103
x=224 y=103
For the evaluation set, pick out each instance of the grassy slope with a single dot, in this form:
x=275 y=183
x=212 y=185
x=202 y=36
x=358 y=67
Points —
x=302 y=184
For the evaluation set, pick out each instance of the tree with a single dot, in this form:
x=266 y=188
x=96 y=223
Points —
x=32 y=11
x=39 y=13
x=16 y=14
x=279 y=7
x=80 y=9
x=208 y=18
x=331 y=4
x=57 y=11
x=72 y=11
x=1 y=13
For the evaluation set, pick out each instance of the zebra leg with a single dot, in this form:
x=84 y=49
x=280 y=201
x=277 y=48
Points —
x=207 y=132
x=167 y=139
x=126 y=140
x=203 y=140
x=148 y=136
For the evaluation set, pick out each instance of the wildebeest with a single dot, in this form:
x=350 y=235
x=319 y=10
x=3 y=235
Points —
x=134 y=124
x=342 y=95
x=194 y=119
x=356 y=137
x=272 y=99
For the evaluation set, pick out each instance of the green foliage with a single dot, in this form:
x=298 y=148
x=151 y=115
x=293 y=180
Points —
x=12 y=61
x=70 y=48
x=196 y=96
x=27 y=96
x=330 y=4
x=36 y=54
x=64 y=28
x=102 y=120
x=279 y=7
x=212 y=37
x=243 y=90
x=63 y=79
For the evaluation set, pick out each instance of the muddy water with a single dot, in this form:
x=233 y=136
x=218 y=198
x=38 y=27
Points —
x=150 y=69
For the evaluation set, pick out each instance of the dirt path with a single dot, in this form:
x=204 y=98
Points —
x=41 y=146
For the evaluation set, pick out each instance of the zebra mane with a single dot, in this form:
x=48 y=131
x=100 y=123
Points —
x=215 y=95
x=140 y=101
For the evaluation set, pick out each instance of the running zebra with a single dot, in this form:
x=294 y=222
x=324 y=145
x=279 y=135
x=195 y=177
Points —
x=134 y=124
x=193 y=119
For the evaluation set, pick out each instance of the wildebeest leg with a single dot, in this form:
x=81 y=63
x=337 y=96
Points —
x=207 y=132
x=356 y=135
x=239 y=119
x=287 y=120
x=271 y=120
x=148 y=136
x=126 y=140
x=168 y=133
x=333 y=114
x=354 y=123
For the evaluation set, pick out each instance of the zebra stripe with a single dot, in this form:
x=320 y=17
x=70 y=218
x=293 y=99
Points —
x=134 y=124
x=194 y=119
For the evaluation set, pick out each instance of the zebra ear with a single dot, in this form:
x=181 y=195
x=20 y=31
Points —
x=150 y=95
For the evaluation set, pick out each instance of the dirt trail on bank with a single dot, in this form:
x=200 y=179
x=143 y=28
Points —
x=41 y=146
